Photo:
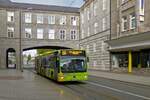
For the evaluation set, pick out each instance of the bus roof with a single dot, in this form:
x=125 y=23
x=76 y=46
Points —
x=50 y=52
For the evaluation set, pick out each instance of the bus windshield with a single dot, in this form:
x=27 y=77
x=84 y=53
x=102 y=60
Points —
x=72 y=64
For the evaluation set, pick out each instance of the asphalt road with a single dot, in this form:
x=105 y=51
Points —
x=97 y=88
x=30 y=86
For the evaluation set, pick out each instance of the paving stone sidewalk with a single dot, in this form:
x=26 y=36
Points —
x=126 y=77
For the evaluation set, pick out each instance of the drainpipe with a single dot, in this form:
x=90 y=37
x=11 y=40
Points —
x=20 y=29
x=110 y=39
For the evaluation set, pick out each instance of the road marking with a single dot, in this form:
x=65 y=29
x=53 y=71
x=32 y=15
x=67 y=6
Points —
x=121 y=91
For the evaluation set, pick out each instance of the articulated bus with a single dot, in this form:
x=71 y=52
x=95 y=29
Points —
x=63 y=65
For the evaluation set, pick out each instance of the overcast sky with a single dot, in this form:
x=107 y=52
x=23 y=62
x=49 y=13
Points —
x=73 y=3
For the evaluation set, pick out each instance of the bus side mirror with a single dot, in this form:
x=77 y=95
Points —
x=87 y=59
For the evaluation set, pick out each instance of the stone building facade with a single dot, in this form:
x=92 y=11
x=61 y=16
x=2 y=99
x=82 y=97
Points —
x=130 y=36
x=95 y=30
x=24 y=26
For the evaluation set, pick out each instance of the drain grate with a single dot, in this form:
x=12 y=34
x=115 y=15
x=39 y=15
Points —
x=11 y=77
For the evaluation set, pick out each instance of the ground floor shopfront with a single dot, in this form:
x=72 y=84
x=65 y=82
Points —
x=130 y=52
x=131 y=59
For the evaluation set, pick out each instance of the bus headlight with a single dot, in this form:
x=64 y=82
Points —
x=61 y=77
x=85 y=76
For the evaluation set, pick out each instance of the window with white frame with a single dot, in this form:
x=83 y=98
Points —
x=39 y=33
x=10 y=16
x=95 y=8
x=104 y=24
x=141 y=6
x=132 y=21
x=73 y=35
x=28 y=33
x=62 y=34
x=51 y=19
x=40 y=18
x=10 y=32
x=73 y=20
x=51 y=34
x=94 y=47
x=104 y=4
x=28 y=17
x=88 y=33
x=95 y=27
x=124 y=23
x=62 y=20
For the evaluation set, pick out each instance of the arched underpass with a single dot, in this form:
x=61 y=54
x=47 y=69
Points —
x=29 y=55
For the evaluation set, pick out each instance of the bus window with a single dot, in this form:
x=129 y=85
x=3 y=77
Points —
x=72 y=64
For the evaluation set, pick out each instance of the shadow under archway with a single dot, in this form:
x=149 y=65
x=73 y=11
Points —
x=46 y=47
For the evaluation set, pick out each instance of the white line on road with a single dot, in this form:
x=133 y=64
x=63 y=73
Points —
x=121 y=91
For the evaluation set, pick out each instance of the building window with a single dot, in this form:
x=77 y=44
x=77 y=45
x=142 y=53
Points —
x=62 y=34
x=73 y=20
x=40 y=19
x=10 y=16
x=62 y=20
x=95 y=27
x=28 y=33
x=73 y=34
x=132 y=21
x=141 y=6
x=95 y=8
x=124 y=23
x=28 y=17
x=10 y=31
x=104 y=4
x=51 y=19
x=104 y=24
x=94 y=47
x=39 y=33
x=51 y=34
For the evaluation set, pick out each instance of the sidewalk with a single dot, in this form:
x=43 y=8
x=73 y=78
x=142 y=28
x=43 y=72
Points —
x=144 y=80
x=17 y=85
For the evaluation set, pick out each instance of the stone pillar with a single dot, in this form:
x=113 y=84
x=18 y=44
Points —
x=19 y=61
x=3 y=58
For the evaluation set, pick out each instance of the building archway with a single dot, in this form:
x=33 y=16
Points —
x=11 y=58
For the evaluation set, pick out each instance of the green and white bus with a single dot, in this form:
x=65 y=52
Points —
x=63 y=65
